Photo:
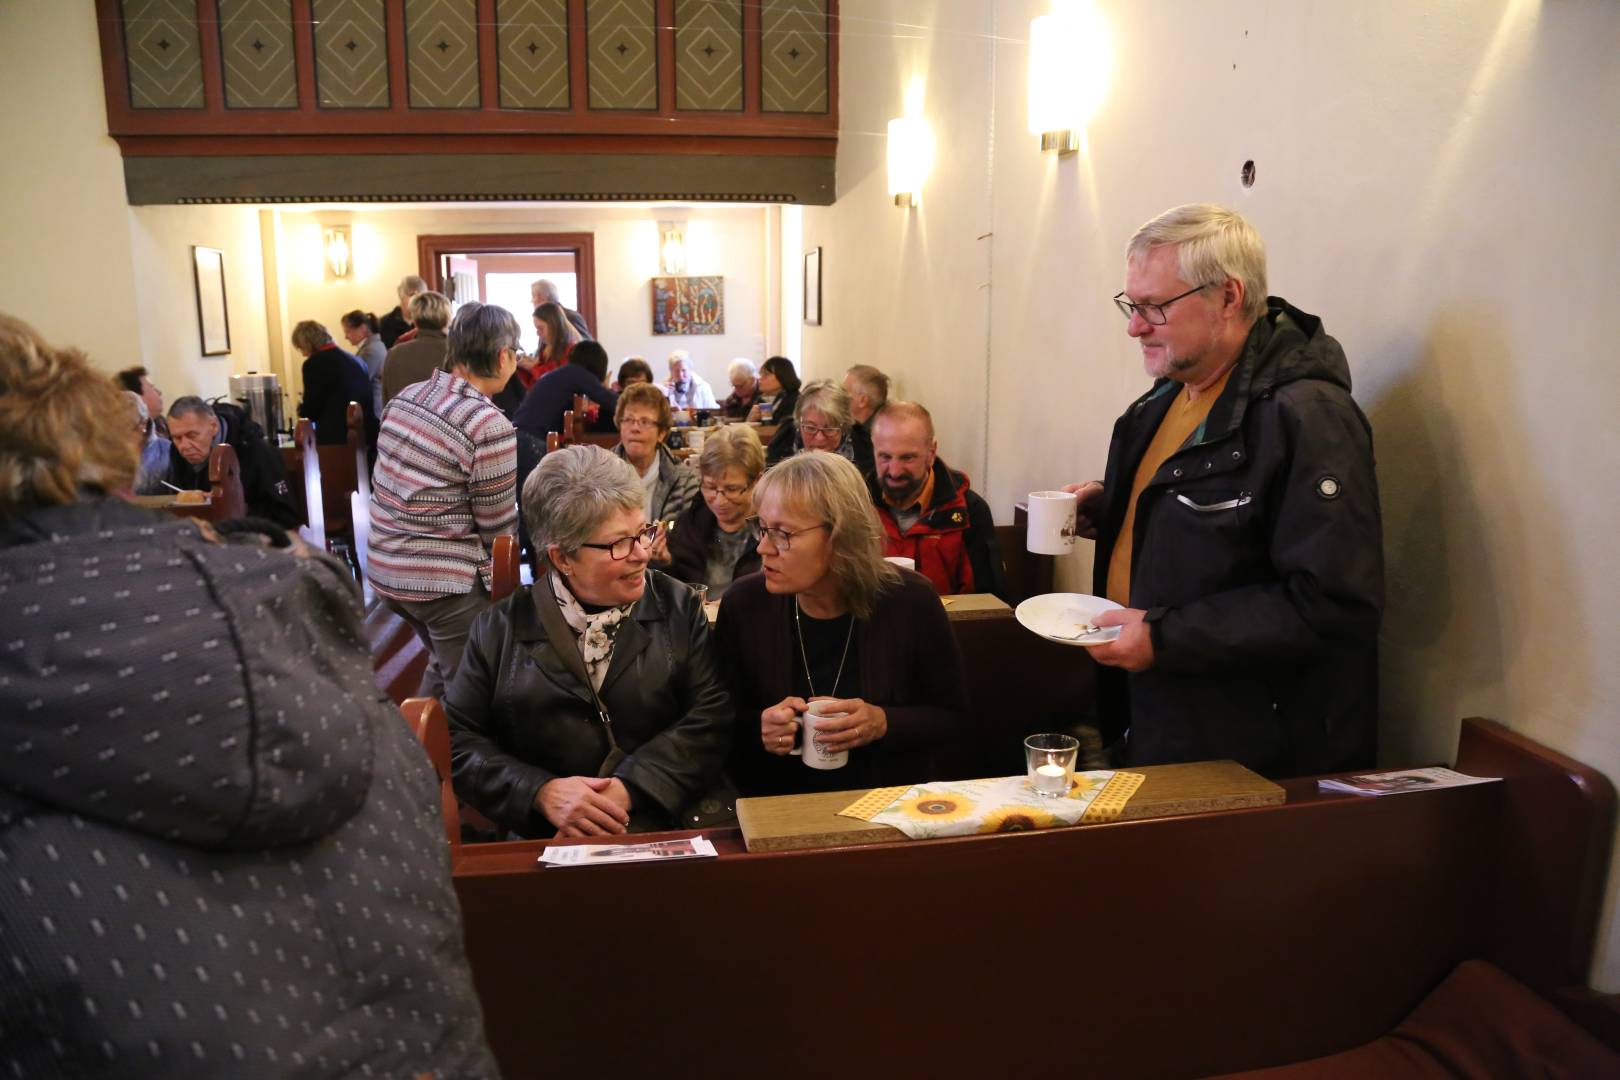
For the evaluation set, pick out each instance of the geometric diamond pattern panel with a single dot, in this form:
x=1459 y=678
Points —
x=351 y=54
x=441 y=50
x=256 y=49
x=165 y=63
x=533 y=38
x=621 y=47
x=793 y=56
x=708 y=54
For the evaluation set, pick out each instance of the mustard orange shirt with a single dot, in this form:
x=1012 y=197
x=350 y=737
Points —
x=1175 y=429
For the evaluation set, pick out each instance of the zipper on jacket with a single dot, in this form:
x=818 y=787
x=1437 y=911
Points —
x=1243 y=499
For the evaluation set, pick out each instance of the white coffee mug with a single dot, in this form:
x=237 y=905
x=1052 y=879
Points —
x=811 y=749
x=1051 y=522
x=694 y=438
x=901 y=561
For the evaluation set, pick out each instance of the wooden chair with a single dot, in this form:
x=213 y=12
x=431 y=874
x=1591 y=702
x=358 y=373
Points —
x=337 y=487
x=225 y=498
x=426 y=717
x=508 y=570
x=556 y=440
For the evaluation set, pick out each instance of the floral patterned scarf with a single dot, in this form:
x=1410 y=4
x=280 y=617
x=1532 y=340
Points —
x=597 y=632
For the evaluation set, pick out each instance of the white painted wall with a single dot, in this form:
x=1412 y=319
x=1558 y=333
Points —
x=1437 y=181
x=729 y=241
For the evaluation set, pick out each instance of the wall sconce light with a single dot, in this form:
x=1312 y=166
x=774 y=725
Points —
x=337 y=251
x=1069 y=65
x=911 y=155
x=672 y=247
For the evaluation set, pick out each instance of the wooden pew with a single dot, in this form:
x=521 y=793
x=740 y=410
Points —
x=1173 y=947
x=337 y=487
x=426 y=717
x=507 y=574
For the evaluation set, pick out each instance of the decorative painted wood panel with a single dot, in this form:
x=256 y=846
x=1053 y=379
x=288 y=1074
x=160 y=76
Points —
x=533 y=41
x=794 y=64
x=441 y=45
x=622 y=46
x=709 y=54
x=351 y=54
x=256 y=54
x=165 y=59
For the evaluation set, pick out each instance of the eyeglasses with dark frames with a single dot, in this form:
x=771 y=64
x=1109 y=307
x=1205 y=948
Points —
x=782 y=539
x=619 y=550
x=1153 y=314
x=820 y=432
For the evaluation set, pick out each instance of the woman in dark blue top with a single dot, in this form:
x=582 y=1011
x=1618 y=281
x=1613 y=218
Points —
x=553 y=393
x=332 y=379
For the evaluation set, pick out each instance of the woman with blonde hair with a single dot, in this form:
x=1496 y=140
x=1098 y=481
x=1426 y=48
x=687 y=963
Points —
x=714 y=541
x=332 y=379
x=828 y=618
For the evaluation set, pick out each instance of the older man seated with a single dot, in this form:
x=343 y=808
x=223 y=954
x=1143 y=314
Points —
x=195 y=428
x=822 y=420
x=929 y=514
x=686 y=388
x=744 y=379
x=868 y=390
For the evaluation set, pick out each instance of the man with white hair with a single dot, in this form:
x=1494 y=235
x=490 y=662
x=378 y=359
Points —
x=868 y=390
x=686 y=388
x=1237 y=522
x=544 y=291
x=396 y=323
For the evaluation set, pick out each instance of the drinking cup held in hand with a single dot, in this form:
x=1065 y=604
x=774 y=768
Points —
x=815 y=755
x=1051 y=522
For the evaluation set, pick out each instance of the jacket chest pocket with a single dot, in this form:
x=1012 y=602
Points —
x=1199 y=505
x=1208 y=509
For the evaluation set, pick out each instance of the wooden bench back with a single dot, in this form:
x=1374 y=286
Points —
x=426 y=717
x=225 y=497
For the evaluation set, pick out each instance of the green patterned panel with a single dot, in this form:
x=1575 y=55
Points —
x=708 y=54
x=165 y=64
x=441 y=48
x=351 y=54
x=622 y=47
x=256 y=51
x=793 y=56
x=533 y=53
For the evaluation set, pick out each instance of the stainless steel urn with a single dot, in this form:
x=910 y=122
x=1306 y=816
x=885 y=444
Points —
x=260 y=395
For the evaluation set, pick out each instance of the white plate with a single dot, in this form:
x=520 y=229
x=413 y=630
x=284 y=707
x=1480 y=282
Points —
x=1056 y=616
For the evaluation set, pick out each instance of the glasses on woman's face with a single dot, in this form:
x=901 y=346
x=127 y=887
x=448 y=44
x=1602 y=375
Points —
x=734 y=492
x=619 y=550
x=636 y=423
x=815 y=432
x=782 y=539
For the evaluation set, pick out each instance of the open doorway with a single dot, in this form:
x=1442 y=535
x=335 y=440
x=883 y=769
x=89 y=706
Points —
x=497 y=268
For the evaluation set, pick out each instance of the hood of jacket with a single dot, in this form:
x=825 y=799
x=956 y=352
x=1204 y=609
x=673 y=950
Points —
x=204 y=693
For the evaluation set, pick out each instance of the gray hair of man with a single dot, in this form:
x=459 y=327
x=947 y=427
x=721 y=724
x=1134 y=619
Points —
x=741 y=365
x=190 y=405
x=477 y=335
x=871 y=382
x=429 y=310
x=827 y=398
x=544 y=291
x=1212 y=244
x=409 y=286
x=572 y=491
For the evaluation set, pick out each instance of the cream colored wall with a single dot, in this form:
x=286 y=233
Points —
x=64 y=227
x=1437 y=181
x=729 y=241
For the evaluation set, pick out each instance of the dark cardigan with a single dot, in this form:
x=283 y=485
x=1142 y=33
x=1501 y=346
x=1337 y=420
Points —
x=910 y=665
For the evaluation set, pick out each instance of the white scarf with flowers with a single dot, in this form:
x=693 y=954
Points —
x=597 y=632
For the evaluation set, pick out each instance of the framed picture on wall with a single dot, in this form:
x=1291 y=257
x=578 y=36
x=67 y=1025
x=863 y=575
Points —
x=689 y=305
x=213 y=325
x=812 y=287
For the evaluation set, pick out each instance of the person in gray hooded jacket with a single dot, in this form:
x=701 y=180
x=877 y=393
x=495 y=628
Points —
x=220 y=849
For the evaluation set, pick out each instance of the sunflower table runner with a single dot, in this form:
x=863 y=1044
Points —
x=1003 y=804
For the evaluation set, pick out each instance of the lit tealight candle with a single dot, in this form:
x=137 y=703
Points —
x=1051 y=779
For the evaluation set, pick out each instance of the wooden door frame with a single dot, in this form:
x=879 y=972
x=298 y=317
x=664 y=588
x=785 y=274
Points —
x=581 y=245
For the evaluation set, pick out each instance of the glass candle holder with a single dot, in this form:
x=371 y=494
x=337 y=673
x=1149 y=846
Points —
x=1050 y=761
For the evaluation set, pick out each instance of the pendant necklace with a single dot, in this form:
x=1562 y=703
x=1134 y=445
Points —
x=799 y=633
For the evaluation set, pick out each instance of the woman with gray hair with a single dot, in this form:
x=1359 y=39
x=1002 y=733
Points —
x=332 y=378
x=828 y=618
x=589 y=704
x=822 y=420
x=714 y=541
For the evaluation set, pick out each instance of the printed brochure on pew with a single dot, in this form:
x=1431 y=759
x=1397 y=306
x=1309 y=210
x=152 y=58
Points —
x=695 y=847
x=1402 y=781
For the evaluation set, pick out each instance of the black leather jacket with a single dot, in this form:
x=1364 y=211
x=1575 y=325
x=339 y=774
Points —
x=518 y=719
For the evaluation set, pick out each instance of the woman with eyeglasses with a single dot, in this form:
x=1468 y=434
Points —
x=589 y=704
x=828 y=618
x=713 y=542
x=644 y=418
x=822 y=420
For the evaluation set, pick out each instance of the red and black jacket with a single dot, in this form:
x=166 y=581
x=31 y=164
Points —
x=954 y=542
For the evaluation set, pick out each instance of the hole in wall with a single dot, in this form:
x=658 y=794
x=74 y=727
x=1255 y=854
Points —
x=1247 y=174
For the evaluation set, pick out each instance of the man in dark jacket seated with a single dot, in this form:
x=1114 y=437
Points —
x=929 y=513
x=1237 y=521
x=589 y=704
x=196 y=427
